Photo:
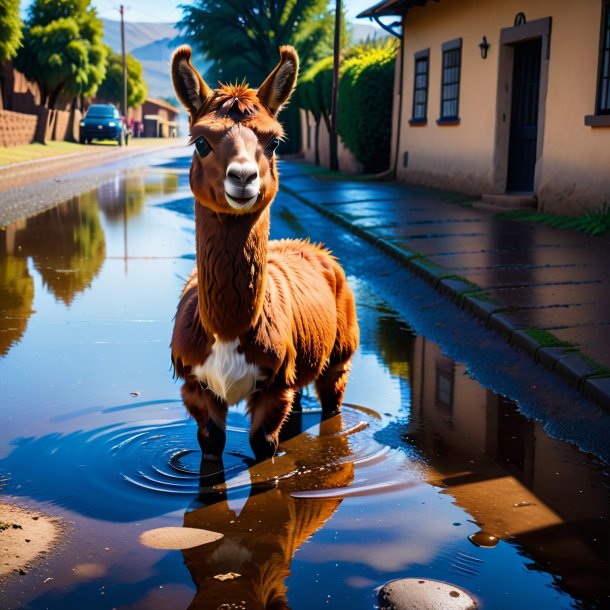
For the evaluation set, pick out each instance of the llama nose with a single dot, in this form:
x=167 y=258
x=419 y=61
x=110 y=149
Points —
x=242 y=173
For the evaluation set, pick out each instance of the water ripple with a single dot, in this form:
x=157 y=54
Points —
x=132 y=471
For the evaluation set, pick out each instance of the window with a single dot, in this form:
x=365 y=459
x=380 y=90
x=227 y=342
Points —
x=603 y=84
x=420 y=88
x=450 y=88
x=601 y=118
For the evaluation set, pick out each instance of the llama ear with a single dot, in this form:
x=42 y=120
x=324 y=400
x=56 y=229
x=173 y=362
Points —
x=188 y=84
x=278 y=86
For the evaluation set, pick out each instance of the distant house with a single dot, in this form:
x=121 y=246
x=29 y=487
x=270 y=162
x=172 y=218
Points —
x=159 y=119
x=508 y=100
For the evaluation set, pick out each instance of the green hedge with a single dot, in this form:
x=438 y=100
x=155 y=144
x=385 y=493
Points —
x=366 y=88
x=315 y=88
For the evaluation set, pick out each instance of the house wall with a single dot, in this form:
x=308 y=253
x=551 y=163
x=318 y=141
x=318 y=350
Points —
x=347 y=160
x=471 y=157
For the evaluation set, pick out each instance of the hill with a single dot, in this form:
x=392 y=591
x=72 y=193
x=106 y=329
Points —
x=152 y=44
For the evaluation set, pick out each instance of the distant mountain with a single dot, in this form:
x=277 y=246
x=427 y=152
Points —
x=136 y=34
x=152 y=44
x=360 y=32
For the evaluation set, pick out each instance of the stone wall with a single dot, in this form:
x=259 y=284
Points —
x=17 y=128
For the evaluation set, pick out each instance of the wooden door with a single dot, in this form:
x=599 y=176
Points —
x=524 y=116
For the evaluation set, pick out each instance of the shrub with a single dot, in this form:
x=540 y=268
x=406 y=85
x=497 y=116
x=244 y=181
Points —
x=365 y=103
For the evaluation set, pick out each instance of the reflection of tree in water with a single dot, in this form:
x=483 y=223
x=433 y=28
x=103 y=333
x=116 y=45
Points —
x=395 y=342
x=16 y=297
x=67 y=245
x=125 y=198
x=260 y=541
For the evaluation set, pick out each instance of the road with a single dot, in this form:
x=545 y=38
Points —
x=433 y=446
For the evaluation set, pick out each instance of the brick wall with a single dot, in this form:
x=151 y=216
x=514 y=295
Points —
x=17 y=128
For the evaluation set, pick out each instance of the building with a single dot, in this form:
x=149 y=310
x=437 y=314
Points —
x=508 y=100
x=159 y=118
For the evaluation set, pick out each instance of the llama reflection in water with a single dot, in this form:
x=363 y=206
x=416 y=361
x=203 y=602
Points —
x=260 y=541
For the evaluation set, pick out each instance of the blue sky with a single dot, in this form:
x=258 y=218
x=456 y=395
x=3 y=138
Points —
x=168 y=11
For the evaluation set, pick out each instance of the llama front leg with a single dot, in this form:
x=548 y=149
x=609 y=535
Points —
x=210 y=413
x=330 y=387
x=269 y=409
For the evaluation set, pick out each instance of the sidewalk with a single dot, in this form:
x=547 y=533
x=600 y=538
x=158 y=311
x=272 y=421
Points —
x=546 y=290
x=33 y=186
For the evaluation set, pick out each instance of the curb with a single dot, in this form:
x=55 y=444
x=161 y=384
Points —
x=567 y=363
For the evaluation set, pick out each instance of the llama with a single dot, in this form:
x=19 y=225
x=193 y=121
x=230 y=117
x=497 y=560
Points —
x=257 y=319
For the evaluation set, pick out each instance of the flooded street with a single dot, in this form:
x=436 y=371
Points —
x=431 y=470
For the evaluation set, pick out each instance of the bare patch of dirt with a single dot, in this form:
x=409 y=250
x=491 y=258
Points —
x=26 y=536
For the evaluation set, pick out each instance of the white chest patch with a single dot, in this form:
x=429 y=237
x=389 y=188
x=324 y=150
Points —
x=227 y=373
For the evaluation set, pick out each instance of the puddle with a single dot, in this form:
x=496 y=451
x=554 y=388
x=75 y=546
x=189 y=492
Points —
x=425 y=473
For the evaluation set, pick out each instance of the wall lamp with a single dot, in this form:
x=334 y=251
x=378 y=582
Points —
x=484 y=46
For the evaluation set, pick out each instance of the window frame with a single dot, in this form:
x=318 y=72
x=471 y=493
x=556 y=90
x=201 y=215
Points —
x=604 y=38
x=449 y=47
x=419 y=57
x=601 y=117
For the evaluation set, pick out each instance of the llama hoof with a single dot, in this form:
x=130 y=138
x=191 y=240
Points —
x=212 y=441
x=329 y=414
x=262 y=446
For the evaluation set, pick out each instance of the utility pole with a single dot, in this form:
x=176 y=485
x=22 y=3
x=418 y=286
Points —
x=334 y=159
x=122 y=10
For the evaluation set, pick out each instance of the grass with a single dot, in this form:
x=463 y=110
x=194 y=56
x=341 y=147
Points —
x=5 y=526
x=547 y=339
x=594 y=221
x=32 y=152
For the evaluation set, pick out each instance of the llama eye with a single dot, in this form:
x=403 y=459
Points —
x=272 y=145
x=202 y=147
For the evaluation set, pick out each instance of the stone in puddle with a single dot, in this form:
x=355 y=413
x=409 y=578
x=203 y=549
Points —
x=423 y=594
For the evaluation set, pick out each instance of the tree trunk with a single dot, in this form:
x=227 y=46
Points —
x=317 y=142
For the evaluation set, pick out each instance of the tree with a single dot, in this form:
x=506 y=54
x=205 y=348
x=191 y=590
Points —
x=314 y=95
x=111 y=89
x=242 y=37
x=365 y=103
x=63 y=50
x=257 y=29
x=10 y=29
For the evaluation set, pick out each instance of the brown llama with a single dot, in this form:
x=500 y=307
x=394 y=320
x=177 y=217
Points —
x=257 y=320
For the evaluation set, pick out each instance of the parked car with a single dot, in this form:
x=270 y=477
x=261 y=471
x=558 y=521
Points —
x=102 y=122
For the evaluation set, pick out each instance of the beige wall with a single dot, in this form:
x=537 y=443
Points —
x=347 y=161
x=572 y=168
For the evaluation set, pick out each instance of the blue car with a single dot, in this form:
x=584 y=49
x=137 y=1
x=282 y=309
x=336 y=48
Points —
x=102 y=122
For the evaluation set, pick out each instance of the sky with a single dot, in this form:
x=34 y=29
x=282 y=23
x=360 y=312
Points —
x=168 y=11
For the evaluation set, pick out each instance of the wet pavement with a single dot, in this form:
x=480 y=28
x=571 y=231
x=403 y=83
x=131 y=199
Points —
x=453 y=460
x=34 y=186
x=518 y=278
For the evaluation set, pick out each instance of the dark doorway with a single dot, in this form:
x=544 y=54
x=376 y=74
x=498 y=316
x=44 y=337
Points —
x=524 y=116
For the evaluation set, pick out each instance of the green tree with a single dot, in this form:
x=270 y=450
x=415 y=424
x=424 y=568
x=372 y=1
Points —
x=365 y=103
x=314 y=95
x=111 y=89
x=63 y=50
x=242 y=37
x=10 y=29
x=257 y=28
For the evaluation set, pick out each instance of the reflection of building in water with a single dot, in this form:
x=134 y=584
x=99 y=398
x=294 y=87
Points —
x=509 y=475
x=260 y=541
